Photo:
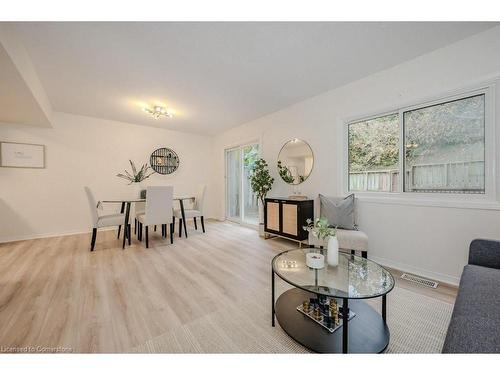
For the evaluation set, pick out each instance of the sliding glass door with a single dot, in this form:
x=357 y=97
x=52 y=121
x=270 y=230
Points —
x=241 y=203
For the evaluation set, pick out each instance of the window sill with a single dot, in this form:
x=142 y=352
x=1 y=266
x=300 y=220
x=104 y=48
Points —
x=426 y=202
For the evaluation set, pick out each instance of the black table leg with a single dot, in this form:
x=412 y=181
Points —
x=272 y=295
x=183 y=217
x=126 y=226
x=345 y=325
x=384 y=308
x=121 y=211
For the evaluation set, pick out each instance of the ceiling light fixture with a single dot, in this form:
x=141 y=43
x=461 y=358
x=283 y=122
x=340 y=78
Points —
x=157 y=111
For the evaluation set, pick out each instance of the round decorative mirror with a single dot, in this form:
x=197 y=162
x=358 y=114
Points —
x=164 y=161
x=295 y=161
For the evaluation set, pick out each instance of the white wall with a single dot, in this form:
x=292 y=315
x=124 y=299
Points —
x=88 y=151
x=432 y=241
x=18 y=54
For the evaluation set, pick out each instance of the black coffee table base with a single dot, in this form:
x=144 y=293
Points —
x=367 y=333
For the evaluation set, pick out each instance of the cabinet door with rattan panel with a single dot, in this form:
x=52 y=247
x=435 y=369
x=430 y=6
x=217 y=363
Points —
x=273 y=216
x=289 y=219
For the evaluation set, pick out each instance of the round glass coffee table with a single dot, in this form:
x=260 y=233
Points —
x=325 y=312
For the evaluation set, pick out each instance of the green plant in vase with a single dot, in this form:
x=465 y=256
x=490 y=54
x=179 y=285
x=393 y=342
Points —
x=320 y=228
x=323 y=231
x=136 y=175
x=261 y=183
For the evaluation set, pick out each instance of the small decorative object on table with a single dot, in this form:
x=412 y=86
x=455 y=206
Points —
x=315 y=260
x=324 y=311
x=322 y=230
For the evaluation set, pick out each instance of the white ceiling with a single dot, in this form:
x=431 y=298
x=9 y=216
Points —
x=215 y=75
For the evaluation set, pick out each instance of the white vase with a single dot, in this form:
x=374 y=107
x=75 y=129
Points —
x=137 y=188
x=332 y=254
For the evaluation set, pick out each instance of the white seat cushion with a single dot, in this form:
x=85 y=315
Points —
x=110 y=220
x=142 y=219
x=348 y=240
x=189 y=213
x=139 y=208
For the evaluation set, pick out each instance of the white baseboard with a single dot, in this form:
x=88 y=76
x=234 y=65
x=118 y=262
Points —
x=48 y=235
x=448 y=279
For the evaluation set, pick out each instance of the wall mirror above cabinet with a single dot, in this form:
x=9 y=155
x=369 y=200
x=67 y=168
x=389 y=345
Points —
x=295 y=161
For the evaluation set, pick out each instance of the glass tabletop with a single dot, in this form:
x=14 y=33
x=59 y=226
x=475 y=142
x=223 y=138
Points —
x=140 y=200
x=354 y=277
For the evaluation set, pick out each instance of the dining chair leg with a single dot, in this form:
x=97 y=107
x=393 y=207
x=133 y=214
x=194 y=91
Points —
x=202 y=224
x=180 y=228
x=135 y=226
x=195 y=224
x=147 y=237
x=119 y=230
x=155 y=228
x=173 y=222
x=129 y=233
x=139 y=235
x=164 y=230
x=94 y=235
x=172 y=233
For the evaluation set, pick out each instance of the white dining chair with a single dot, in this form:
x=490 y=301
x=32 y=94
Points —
x=158 y=211
x=139 y=209
x=101 y=221
x=194 y=212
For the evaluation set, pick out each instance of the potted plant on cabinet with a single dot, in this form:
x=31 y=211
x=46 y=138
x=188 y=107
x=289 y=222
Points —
x=261 y=183
x=136 y=177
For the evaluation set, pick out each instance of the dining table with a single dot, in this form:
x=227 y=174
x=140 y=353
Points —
x=126 y=203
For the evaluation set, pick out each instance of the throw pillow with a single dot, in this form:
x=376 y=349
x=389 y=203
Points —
x=338 y=211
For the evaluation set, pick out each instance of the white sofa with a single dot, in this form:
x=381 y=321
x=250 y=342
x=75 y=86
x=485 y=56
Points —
x=349 y=240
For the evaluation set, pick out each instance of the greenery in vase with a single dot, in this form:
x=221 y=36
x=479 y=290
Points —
x=260 y=179
x=285 y=173
x=320 y=228
x=136 y=176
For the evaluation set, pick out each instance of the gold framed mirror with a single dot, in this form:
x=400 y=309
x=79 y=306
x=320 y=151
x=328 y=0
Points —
x=295 y=161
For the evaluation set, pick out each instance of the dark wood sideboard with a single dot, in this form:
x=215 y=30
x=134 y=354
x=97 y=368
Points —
x=286 y=217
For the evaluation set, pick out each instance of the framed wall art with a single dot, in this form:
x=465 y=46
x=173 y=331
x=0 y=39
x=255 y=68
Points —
x=22 y=155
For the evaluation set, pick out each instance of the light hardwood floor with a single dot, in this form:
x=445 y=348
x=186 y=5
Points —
x=55 y=293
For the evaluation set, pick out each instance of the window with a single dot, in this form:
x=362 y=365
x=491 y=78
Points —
x=374 y=154
x=444 y=147
x=441 y=147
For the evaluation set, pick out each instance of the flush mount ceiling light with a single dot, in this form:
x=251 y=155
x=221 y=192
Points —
x=157 y=112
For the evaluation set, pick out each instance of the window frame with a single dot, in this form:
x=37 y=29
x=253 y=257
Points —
x=488 y=199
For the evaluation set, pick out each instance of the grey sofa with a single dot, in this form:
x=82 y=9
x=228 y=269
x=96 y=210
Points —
x=475 y=322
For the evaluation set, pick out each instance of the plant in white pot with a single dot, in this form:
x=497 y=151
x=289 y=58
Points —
x=261 y=183
x=136 y=177
x=322 y=231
